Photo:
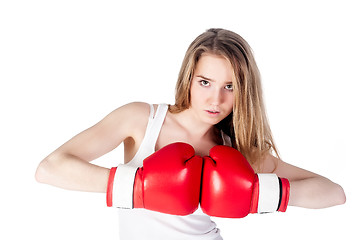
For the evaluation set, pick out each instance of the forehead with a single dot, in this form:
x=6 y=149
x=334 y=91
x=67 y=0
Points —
x=214 y=67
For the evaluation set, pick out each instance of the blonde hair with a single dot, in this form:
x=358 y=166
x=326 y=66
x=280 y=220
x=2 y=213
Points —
x=247 y=125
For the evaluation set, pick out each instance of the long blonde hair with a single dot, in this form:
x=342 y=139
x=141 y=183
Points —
x=247 y=125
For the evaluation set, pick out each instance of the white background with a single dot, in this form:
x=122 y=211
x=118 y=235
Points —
x=64 y=65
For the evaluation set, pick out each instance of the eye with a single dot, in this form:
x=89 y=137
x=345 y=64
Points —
x=204 y=83
x=229 y=87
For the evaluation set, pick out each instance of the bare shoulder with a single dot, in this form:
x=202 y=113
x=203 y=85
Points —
x=269 y=163
x=133 y=109
x=131 y=116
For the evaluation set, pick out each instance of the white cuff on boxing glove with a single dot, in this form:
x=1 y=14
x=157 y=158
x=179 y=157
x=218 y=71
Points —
x=269 y=193
x=122 y=192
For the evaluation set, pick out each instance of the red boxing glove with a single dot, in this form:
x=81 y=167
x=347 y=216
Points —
x=169 y=182
x=230 y=187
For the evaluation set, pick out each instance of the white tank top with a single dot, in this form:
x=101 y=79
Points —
x=146 y=224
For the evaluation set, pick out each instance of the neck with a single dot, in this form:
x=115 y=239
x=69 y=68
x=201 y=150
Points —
x=192 y=124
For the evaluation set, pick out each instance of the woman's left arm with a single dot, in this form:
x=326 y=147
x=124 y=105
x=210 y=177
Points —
x=307 y=189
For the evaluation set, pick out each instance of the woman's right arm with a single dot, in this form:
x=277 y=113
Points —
x=69 y=166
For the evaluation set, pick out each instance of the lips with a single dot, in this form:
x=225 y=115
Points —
x=213 y=112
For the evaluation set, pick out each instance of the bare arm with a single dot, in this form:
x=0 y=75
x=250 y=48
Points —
x=308 y=190
x=69 y=166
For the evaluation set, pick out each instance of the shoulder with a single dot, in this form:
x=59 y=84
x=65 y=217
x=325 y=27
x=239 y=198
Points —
x=269 y=163
x=132 y=110
x=134 y=107
x=129 y=116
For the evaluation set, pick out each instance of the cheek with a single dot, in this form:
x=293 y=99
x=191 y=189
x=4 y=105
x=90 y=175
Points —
x=195 y=95
x=195 y=98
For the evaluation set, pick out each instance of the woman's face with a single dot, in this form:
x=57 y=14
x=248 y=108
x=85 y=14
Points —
x=212 y=89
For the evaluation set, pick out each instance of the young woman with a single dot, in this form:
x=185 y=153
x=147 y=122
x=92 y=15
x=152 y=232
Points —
x=218 y=102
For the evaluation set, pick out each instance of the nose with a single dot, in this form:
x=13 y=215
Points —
x=216 y=97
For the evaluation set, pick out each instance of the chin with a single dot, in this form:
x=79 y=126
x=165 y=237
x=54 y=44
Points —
x=213 y=121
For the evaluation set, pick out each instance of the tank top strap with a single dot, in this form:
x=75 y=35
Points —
x=147 y=146
x=157 y=123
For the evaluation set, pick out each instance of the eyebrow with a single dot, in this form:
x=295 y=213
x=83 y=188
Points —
x=209 y=79
x=201 y=76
